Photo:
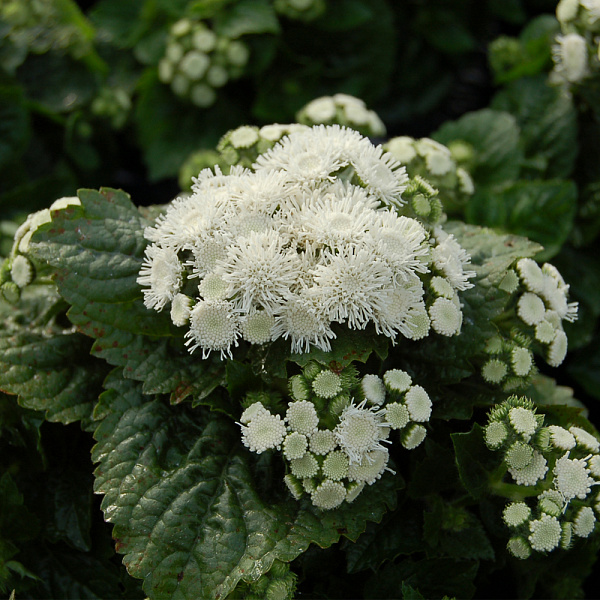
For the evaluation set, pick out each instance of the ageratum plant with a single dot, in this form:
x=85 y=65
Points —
x=300 y=360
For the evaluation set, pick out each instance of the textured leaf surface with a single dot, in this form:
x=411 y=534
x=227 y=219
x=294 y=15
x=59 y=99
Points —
x=543 y=211
x=97 y=250
x=50 y=369
x=184 y=497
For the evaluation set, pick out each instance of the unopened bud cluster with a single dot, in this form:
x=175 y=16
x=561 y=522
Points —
x=342 y=109
x=561 y=463
x=333 y=444
x=445 y=167
x=576 y=51
x=198 y=61
x=532 y=322
x=18 y=270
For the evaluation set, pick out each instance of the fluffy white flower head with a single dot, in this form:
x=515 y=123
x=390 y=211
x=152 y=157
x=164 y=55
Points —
x=360 y=431
x=545 y=533
x=264 y=432
x=572 y=478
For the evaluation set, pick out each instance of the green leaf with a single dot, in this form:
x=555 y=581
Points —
x=14 y=123
x=97 y=250
x=342 y=15
x=432 y=577
x=474 y=460
x=543 y=211
x=192 y=509
x=494 y=136
x=50 y=369
x=445 y=30
x=400 y=533
x=246 y=17
x=548 y=123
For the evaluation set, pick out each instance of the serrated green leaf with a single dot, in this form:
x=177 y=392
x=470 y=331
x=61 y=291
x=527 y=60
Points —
x=474 y=460
x=495 y=137
x=543 y=211
x=183 y=496
x=433 y=578
x=97 y=250
x=50 y=369
x=401 y=532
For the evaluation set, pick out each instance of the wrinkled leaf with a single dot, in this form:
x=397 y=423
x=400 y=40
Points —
x=183 y=495
x=97 y=250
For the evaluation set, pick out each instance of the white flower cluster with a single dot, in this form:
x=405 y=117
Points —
x=576 y=52
x=310 y=238
x=344 y=110
x=538 y=308
x=333 y=445
x=438 y=164
x=17 y=271
x=197 y=61
x=563 y=463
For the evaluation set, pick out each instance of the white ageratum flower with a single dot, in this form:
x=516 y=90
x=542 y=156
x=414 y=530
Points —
x=213 y=326
x=320 y=110
x=532 y=473
x=531 y=275
x=373 y=389
x=259 y=271
x=349 y=286
x=180 y=309
x=531 y=308
x=397 y=380
x=304 y=322
x=295 y=445
x=496 y=434
x=264 y=431
x=380 y=173
x=494 y=370
x=545 y=533
x=516 y=513
x=161 y=272
x=252 y=411
x=401 y=242
x=257 y=327
x=359 y=431
x=593 y=9
x=519 y=547
x=585 y=439
x=561 y=438
x=584 y=522
x=445 y=316
x=418 y=404
x=397 y=415
x=412 y=436
x=567 y=10
x=557 y=350
x=334 y=219
x=244 y=136
x=523 y=421
x=21 y=271
x=327 y=384
x=301 y=416
x=450 y=259
x=371 y=468
x=304 y=467
x=312 y=155
x=521 y=361
x=335 y=466
x=572 y=478
x=322 y=441
x=328 y=495
x=570 y=55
